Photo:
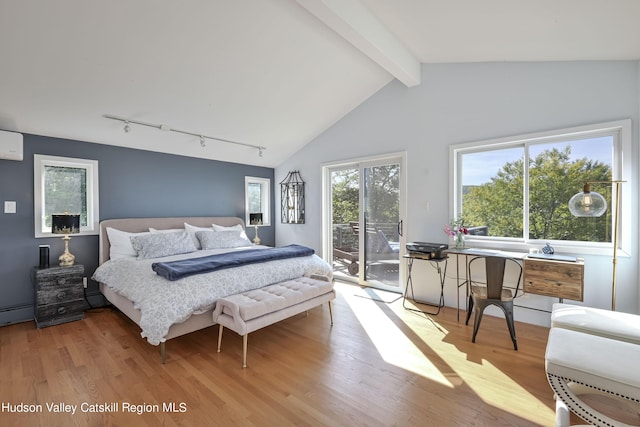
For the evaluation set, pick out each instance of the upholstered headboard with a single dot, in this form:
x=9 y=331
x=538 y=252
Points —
x=137 y=225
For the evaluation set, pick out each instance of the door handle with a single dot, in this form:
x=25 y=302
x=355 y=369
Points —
x=400 y=227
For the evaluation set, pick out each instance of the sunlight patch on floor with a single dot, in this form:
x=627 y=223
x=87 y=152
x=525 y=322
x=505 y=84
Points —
x=397 y=349
x=511 y=396
x=392 y=345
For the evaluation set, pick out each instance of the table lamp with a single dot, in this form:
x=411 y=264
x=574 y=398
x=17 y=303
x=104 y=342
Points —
x=255 y=219
x=65 y=224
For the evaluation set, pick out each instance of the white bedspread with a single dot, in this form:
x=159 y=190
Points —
x=162 y=302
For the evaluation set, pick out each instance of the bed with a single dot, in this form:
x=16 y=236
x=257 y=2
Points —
x=149 y=299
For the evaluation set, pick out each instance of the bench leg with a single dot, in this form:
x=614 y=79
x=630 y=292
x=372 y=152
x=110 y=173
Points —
x=330 y=313
x=244 y=350
x=562 y=413
x=220 y=337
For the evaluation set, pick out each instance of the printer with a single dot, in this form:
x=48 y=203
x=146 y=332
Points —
x=428 y=250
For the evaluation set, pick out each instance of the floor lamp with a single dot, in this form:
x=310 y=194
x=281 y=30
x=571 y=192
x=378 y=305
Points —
x=591 y=204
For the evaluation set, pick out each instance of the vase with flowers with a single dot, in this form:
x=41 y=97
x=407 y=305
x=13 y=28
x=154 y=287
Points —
x=457 y=231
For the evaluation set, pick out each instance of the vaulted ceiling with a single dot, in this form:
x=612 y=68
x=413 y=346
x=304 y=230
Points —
x=270 y=73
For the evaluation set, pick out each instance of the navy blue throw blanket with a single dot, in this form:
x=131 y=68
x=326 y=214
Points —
x=174 y=270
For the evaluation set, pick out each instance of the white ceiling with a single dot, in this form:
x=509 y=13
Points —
x=272 y=73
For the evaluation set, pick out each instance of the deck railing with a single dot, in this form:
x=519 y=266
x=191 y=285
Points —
x=344 y=237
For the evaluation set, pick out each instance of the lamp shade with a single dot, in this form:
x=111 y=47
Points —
x=65 y=224
x=255 y=218
x=587 y=203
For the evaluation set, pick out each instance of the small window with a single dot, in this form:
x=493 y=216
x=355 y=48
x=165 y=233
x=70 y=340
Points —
x=257 y=196
x=63 y=184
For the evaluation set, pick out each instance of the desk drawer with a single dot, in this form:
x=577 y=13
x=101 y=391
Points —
x=554 y=278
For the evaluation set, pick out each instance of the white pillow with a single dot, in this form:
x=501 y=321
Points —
x=236 y=227
x=157 y=245
x=120 y=243
x=168 y=230
x=192 y=229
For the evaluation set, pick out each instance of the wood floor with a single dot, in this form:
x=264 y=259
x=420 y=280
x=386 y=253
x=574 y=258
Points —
x=379 y=365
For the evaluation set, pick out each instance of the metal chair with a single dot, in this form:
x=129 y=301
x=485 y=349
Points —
x=492 y=291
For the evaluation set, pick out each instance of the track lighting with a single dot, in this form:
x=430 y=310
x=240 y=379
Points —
x=166 y=128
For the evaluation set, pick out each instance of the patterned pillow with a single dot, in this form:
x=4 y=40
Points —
x=222 y=239
x=192 y=229
x=158 y=245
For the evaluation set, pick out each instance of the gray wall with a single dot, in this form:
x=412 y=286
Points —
x=458 y=103
x=133 y=183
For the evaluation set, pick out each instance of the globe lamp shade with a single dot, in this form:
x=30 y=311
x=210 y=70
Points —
x=587 y=203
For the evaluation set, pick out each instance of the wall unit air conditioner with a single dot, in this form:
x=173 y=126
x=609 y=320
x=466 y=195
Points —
x=10 y=145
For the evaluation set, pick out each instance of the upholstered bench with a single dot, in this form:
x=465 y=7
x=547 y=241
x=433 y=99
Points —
x=595 y=321
x=247 y=312
x=592 y=351
x=578 y=363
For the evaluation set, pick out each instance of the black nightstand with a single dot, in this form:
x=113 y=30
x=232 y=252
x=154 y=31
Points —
x=59 y=295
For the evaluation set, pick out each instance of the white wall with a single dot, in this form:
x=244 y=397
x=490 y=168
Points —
x=471 y=102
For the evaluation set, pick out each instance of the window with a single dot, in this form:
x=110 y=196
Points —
x=516 y=190
x=257 y=197
x=63 y=184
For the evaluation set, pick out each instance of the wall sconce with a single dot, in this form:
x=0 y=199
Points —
x=65 y=224
x=292 y=199
x=255 y=219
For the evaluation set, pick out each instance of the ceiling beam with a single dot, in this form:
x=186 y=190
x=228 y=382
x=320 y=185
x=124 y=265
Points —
x=360 y=27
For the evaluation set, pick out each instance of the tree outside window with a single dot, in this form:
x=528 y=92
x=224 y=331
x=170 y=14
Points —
x=65 y=191
x=64 y=184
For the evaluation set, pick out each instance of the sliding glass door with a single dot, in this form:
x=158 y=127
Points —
x=381 y=231
x=365 y=221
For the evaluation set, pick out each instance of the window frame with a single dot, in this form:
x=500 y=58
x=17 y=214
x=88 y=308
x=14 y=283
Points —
x=621 y=170
x=40 y=162
x=265 y=195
